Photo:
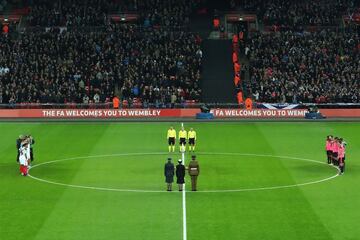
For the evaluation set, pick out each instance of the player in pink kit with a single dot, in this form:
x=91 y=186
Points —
x=335 y=149
x=328 y=149
x=341 y=156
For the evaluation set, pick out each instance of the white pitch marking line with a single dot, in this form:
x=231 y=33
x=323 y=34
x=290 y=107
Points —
x=184 y=204
x=203 y=191
x=184 y=197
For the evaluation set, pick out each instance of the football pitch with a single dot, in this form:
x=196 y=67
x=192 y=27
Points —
x=258 y=180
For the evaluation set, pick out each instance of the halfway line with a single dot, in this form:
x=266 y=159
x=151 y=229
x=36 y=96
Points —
x=184 y=205
x=184 y=197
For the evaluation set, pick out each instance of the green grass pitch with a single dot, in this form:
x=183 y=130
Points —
x=102 y=159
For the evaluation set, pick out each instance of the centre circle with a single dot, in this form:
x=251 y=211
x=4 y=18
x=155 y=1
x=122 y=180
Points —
x=220 y=172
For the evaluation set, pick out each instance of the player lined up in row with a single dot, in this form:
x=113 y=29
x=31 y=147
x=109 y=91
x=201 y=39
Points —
x=25 y=153
x=335 y=151
x=183 y=136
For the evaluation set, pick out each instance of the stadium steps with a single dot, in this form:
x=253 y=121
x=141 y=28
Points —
x=245 y=76
x=217 y=76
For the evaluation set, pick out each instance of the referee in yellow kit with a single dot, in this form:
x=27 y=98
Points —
x=171 y=136
x=192 y=139
x=182 y=138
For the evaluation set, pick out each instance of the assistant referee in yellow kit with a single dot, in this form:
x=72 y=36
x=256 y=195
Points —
x=182 y=138
x=171 y=136
x=192 y=139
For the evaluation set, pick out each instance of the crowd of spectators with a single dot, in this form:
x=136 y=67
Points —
x=54 y=67
x=161 y=67
x=69 y=13
x=155 y=61
x=74 y=13
x=290 y=14
x=293 y=67
x=166 y=13
x=153 y=65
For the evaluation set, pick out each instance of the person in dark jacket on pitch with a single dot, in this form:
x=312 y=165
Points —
x=180 y=175
x=169 y=172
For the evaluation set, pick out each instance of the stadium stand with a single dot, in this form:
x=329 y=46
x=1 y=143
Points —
x=73 y=66
x=74 y=52
x=303 y=52
x=293 y=67
x=290 y=14
x=150 y=64
x=69 y=13
x=94 y=12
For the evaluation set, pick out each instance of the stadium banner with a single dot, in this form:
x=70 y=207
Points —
x=96 y=113
x=259 y=113
x=161 y=113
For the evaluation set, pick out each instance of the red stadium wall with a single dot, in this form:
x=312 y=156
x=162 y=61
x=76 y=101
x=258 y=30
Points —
x=163 y=113
x=351 y=113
